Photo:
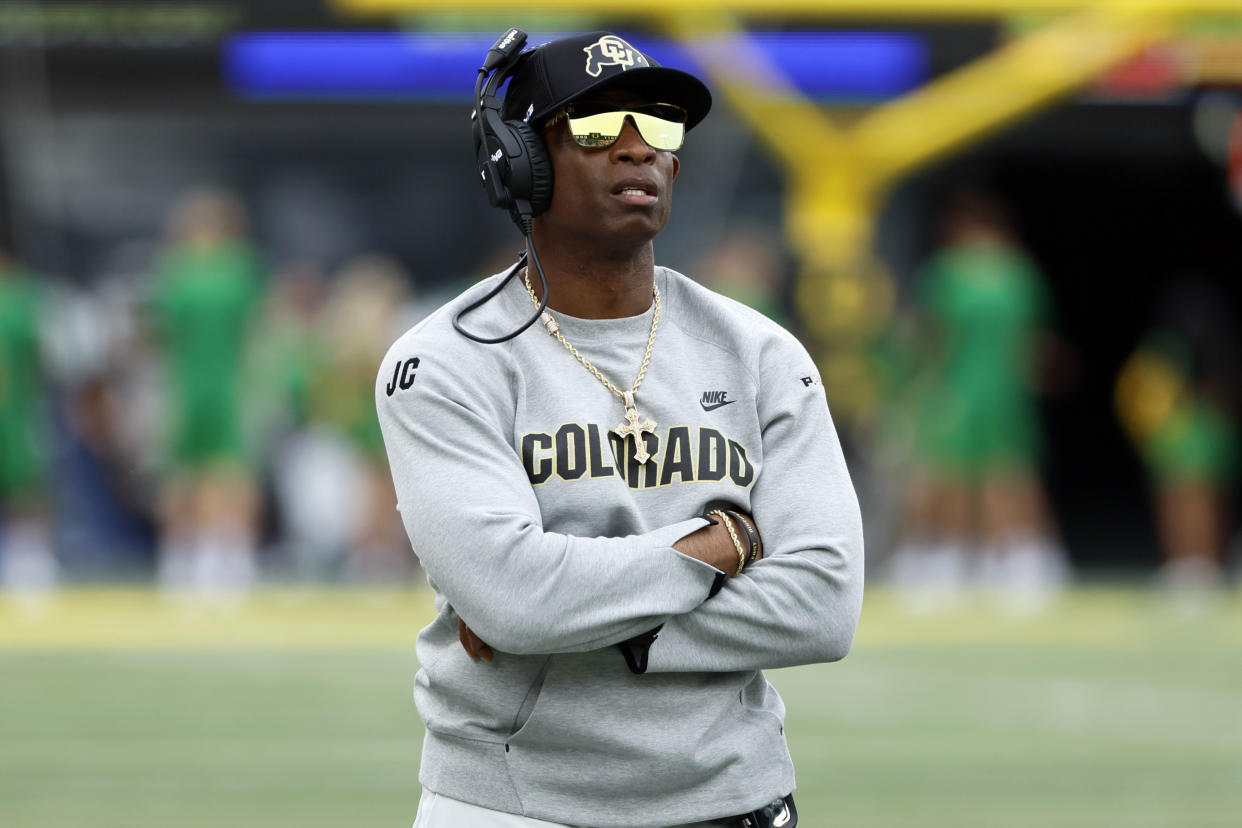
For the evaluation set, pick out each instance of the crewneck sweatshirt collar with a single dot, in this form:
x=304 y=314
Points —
x=580 y=330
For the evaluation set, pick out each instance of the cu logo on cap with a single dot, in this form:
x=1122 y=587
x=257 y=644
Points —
x=611 y=50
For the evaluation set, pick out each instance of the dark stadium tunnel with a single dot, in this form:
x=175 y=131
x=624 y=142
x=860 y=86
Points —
x=1115 y=203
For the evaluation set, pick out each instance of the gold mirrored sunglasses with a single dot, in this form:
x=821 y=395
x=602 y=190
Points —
x=599 y=124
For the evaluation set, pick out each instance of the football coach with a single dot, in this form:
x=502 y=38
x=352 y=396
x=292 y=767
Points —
x=626 y=512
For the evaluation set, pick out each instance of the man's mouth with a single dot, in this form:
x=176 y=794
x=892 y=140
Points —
x=639 y=193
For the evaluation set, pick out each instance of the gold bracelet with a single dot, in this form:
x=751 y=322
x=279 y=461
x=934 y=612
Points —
x=737 y=543
x=751 y=534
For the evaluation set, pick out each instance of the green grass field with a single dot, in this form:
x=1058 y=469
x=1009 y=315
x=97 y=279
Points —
x=294 y=711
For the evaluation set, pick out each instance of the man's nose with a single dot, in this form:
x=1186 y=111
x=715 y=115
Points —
x=630 y=146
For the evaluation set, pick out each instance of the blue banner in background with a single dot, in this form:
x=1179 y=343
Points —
x=848 y=67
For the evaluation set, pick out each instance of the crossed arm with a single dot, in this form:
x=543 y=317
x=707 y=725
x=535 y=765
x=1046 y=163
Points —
x=523 y=590
x=712 y=544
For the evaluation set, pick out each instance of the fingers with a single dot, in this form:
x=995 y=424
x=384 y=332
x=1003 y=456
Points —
x=473 y=645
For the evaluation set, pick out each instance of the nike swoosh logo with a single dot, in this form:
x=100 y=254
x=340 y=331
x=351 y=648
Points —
x=714 y=406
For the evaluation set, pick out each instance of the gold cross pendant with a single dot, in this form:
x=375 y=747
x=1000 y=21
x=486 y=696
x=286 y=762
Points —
x=632 y=426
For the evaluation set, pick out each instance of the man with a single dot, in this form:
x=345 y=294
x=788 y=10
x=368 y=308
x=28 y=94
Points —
x=208 y=283
x=980 y=508
x=621 y=638
x=1178 y=398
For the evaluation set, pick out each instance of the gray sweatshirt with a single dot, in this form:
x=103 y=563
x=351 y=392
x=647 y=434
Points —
x=538 y=528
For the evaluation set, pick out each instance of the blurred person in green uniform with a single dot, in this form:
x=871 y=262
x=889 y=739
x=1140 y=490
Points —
x=1177 y=397
x=313 y=471
x=207 y=285
x=978 y=511
x=369 y=303
x=27 y=562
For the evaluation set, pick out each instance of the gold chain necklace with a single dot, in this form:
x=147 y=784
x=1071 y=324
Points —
x=634 y=425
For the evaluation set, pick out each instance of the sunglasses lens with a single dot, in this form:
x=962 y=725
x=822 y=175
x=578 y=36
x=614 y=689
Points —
x=659 y=133
x=661 y=125
x=599 y=130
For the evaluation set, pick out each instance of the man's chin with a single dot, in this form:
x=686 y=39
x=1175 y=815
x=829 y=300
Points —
x=617 y=232
x=638 y=226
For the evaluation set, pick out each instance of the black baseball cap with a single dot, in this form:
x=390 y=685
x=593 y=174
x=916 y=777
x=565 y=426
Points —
x=559 y=71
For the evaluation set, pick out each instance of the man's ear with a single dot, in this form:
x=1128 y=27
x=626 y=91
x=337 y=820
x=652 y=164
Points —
x=676 y=166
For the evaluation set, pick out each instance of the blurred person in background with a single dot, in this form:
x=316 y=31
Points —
x=27 y=561
x=977 y=511
x=105 y=495
x=1178 y=398
x=208 y=284
x=746 y=265
x=104 y=414
x=341 y=464
x=286 y=355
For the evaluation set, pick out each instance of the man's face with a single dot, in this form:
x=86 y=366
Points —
x=617 y=195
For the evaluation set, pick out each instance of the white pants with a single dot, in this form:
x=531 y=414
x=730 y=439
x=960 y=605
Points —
x=435 y=811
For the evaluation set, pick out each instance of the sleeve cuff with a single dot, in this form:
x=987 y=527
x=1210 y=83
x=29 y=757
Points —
x=636 y=651
x=677 y=531
x=669 y=535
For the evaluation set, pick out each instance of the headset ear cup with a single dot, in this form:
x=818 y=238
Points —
x=540 y=166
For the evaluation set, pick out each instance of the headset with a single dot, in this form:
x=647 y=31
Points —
x=515 y=168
